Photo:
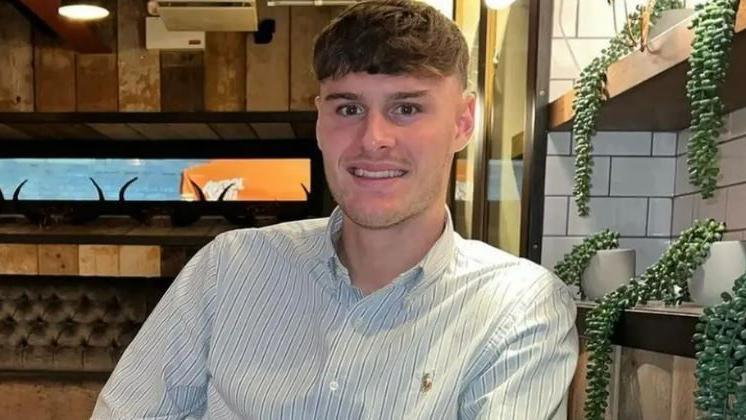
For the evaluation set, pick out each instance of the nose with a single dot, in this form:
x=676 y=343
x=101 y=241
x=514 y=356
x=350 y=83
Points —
x=378 y=133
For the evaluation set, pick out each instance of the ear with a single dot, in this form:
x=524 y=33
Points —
x=465 y=122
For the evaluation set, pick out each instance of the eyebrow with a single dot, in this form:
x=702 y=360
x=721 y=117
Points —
x=396 y=96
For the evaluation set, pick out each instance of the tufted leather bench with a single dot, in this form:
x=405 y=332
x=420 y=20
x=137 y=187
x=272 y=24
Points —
x=71 y=324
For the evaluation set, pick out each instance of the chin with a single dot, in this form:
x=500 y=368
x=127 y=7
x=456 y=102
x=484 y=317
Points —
x=375 y=217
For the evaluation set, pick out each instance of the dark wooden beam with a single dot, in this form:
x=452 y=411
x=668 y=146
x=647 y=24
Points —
x=78 y=35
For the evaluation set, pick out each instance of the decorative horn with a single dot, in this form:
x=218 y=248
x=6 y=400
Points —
x=124 y=188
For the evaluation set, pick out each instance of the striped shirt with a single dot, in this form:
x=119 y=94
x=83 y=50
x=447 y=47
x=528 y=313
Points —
x=265 y=324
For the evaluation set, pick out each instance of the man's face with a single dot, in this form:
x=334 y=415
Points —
x=388 y=142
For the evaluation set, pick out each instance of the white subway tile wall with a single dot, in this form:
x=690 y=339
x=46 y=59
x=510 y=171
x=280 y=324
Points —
x=628 y=216
x=621 y=143
x=659 y=217
x=558 y=143
x=642 y=176
x=555 y=216
x=562 y=170
x=664 y=144
x=649 y=199
x=683 y=213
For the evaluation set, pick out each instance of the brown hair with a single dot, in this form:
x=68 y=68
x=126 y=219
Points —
x=391 y=37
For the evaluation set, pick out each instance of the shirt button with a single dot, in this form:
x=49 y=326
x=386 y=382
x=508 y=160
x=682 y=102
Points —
x=333 y=385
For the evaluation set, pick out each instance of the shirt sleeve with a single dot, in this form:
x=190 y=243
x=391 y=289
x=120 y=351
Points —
x=162 y=373
x=530 y=367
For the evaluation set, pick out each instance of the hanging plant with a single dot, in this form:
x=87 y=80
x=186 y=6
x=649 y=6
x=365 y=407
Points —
x=570 y=268
x=720 y=342
x=590 y=93
x=659 y=281
x=714 y=27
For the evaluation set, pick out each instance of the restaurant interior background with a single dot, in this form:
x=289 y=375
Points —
x=126 y=146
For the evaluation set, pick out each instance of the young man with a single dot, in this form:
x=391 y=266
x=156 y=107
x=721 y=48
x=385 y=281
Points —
x=381 y=311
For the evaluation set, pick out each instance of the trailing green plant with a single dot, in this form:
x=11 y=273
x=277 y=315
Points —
x=570 y=268
x=590 y=93
x=666 y=279
x=720 y=342
x=714 y=27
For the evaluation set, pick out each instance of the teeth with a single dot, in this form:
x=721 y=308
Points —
x=377 y=174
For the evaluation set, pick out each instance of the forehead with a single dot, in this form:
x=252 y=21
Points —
x=364 y=84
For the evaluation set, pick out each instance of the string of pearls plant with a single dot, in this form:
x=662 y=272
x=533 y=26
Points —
x=590 y=93
x=714 y=27
x=720 y=342
x=666 y=279
x=570 y=268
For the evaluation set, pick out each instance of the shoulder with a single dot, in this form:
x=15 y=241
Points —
x=302 y=236
x=518 y=282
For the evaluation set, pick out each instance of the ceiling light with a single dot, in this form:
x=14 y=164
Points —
x=82 y=9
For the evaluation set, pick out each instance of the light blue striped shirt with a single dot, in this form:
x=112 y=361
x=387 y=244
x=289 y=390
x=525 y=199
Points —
x=264 y=324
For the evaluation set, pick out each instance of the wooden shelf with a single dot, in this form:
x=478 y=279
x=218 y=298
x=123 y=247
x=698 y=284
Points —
x=114 y=231
x=652 y=327
x=647 y=90
x=157 y=125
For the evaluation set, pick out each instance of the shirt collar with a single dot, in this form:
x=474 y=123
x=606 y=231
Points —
x=435 y=262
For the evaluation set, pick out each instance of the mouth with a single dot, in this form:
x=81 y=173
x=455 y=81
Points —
x=382 y=174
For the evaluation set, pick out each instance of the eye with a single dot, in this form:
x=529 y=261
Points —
x=348 y=110
x=407 y=109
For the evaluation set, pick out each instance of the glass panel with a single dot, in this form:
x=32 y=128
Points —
x=158 y=179
x=508 y=72
x=467 y=18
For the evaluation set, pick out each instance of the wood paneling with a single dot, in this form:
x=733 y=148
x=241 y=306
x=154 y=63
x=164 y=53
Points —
x=140 y=260
x=54 y=75
x=683 y=385
x=98 y=260
x=58 y=259
x=182 y=81
x=16 y=61
x=139 y=72
x=268 y=65
x=9 y=133
x=45 y=399
x=273 y=130
x=19 y=259
x=306 y=23
x=176 y=131
x=225 y=71
x=117 y=131
x=233 y=131
x=97 y=77
x=644 y=385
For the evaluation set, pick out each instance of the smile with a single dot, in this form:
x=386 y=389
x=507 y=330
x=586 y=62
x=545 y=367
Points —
x=392 y=173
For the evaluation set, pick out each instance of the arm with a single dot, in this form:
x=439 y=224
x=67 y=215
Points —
x=162 y=373
x=528 y=369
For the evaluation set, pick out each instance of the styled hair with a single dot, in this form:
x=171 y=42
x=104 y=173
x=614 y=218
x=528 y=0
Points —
x=394 y=37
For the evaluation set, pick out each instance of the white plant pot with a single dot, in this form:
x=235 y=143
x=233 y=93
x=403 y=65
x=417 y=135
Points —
x=668 y=20
x=725 y=263
x=606 y=271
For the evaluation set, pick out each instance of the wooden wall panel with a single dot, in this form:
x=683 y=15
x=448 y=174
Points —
x=233 y=131
x=306 y=23
x=97 y=78
x=16 y=61
x=268 y=65
x=58 y=259
x=577 y=395
x=139 y=69
x=48 y=399
x=98 y=260
x=225 y=71
x=682 y=389
x=182 y=81
x=140 y=261
x=54 y=75
x=646 y=385
x=19 y=259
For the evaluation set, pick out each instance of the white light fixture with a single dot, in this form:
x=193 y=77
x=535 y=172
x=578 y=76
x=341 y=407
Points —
x=499 y=4
x=82 y=10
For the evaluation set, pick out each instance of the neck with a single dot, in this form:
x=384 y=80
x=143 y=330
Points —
x=375 y=257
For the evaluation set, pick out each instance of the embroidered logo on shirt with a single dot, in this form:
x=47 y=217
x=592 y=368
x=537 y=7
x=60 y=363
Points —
x=427 y=382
